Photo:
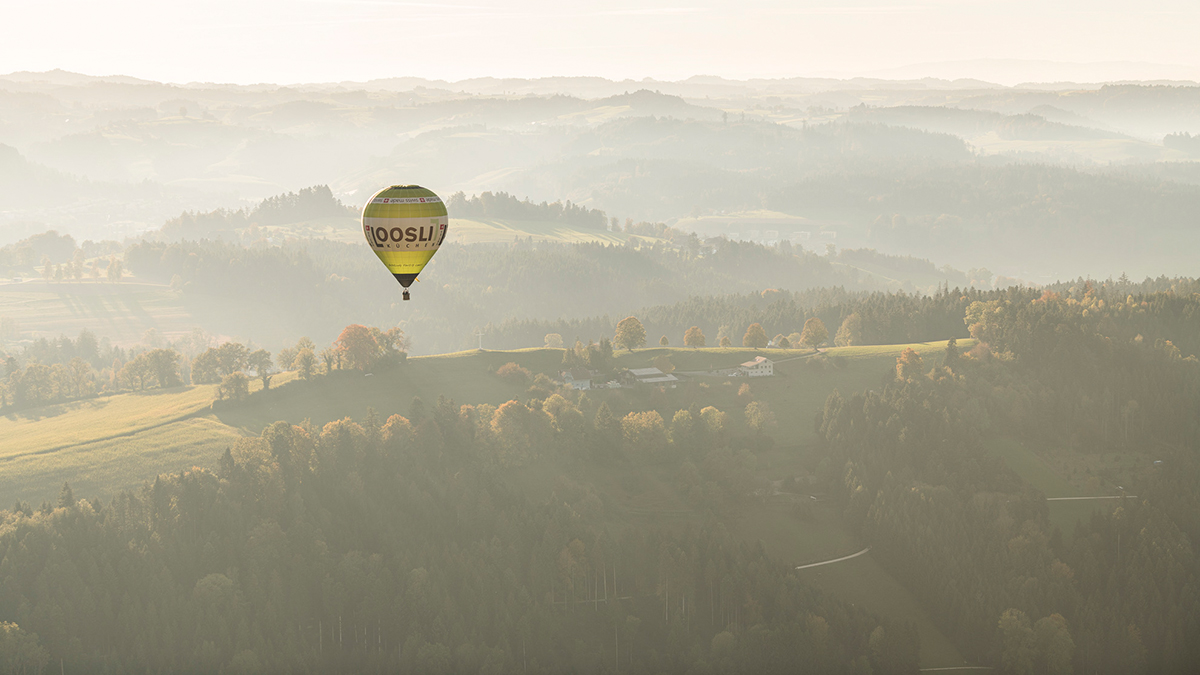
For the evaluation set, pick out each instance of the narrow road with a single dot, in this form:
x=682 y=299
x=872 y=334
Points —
x=1070 y=499
x=827 y=562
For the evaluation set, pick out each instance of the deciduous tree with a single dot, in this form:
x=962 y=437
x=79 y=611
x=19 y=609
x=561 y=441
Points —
x=755 y=336
x=357 y=346
x=694 y=337
x=814 y=334
x=630 y=333
x=850 y=332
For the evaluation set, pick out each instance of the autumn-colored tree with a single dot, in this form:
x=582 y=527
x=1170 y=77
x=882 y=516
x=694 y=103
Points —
x=515 y=373
x=814 y=334
x=755 y=336
x=553 y=341
x=630 y=333
x=759 y=417
x=725 y=342
x=908 y=364
x=663 y=341
x=644 y=432
x=693 y=337
x=850 y=332
x=357 y=346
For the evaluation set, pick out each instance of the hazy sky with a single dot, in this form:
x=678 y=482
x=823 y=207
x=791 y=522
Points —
x=322 y=40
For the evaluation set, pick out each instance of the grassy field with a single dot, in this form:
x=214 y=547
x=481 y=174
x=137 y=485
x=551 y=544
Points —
x=1032 y=468
x=121 y=312
x=43 y=430
x=487 y=231
x=109 y=443
x=102 y=468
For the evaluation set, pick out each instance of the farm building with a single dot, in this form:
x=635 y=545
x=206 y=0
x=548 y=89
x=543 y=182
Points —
x=649 y=376
x=761 y=366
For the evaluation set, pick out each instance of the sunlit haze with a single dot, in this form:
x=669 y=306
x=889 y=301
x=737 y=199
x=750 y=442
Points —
x=333 y=40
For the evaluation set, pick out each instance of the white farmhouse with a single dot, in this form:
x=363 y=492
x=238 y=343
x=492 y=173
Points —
x=761 y=366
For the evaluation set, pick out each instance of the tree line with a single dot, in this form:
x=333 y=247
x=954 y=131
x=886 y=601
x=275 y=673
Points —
x=1072 y=372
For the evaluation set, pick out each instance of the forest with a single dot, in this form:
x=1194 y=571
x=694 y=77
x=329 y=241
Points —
x=404 y=540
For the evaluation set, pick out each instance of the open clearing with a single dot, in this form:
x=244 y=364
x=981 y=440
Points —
x=122 y=312
x=491 y=231
x=861 y=581
x=1036 y=471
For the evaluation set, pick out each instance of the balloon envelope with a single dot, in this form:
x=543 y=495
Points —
x=405 y=225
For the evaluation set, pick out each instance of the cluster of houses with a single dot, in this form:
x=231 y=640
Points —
x=580 y=378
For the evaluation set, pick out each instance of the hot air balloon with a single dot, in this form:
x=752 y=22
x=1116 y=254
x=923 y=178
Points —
x=405 y=225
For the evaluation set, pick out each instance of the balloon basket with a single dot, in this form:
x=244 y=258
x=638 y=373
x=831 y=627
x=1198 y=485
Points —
x=406 y=294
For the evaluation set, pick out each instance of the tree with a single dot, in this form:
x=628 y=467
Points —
x=20 y=651
x=630 y=333
x=114 y=269
x=755 y=336
x=357 y=346
x=135 y=374
x=231 y=357
x=693 y=337
x=725 y=343
x=164 y=365
x=850 y=332
x=908 y=364
x=260 y=361
x=663 y=341
x=1055 y=648
x=82 y=377
x=514 y=373
x=206 y=367
x=951 y=355
x=759 y=417
x=234 y=387
x=644 y=432
x=553 y=341
x=305 y=362
x=814 y=334
x=1017 y=642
